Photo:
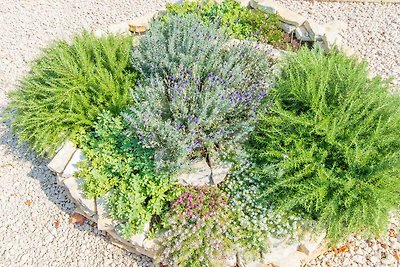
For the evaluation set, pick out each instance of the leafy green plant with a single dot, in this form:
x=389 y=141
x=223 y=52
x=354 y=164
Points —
x=239 y=21
x=332 y=138
x=196 y=228
x=68 y=87
x=200 y=97
x=117 y=163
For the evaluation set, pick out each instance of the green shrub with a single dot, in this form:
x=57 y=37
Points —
x=68 y=87
x=117 y=163
x=332 y=138
x=200 y=99
x=241 y=22
x=196 y=228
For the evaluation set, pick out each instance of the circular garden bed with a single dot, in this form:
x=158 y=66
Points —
x=216 y=134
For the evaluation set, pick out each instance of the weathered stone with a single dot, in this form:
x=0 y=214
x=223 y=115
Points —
x=63 y=156
x=315 y=30
x=199 y=174
x=303 y=249
x=220 y=172
x=290 y=17
x=142 y=23
x=75 y=189
x=265 y=6
x=125 y=244
x=72 y=164
x=302 y=34
x=288 y=27
x=104 y=220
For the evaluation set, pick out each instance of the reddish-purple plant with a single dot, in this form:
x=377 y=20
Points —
x=199 y=203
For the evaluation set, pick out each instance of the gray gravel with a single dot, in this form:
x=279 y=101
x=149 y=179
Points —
x=373 y=30
x=28 y=236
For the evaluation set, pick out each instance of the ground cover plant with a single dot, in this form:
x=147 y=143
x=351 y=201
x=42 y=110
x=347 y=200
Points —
x=68 y=87
x=117 y=164
x=199 y=97
x=332 y=138
x=239 y=21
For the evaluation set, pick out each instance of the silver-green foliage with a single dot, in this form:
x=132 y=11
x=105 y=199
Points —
x=201 y=96
x=68 y=87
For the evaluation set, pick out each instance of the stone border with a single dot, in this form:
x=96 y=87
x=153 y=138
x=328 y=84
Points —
x=283 y=253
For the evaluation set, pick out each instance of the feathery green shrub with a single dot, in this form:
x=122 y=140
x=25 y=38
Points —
x=68 y=87
x=332 y=136
x=201 y=97
x=115 y=162
x=239 y=21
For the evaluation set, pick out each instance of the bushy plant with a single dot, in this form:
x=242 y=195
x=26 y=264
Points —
x=201 y=96
x=333 y=137
x=239 y=21
x=68 y=87
x=116 y=163
x=196 y=228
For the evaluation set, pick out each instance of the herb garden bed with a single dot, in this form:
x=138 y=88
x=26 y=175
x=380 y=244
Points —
x=210 y=145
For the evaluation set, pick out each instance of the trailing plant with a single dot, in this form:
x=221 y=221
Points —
x=332 y=136
x=68 y=87
x=116 y=163
x=196 y=228
x=254 y=218
x=201 y=97
x=239 y=21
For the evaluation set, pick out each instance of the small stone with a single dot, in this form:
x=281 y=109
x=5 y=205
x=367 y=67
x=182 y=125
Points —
x=63 y=156
x=142 y=23
x=374 y=259
x=359 y=259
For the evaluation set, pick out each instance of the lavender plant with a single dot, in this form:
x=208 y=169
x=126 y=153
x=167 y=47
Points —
x=197 y=227
x=201 y=97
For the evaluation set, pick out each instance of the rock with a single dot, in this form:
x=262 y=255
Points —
x=264 y=6
x=142 y=23
x=287 y=27
x=104 y=220
x=374 y=260
x=220 y=172
x=199 y=174
x=290 y=17
x=63 y=156
x=359 y=259
x=330 y=40
x=302 y=34
x=75 y=189
x=315 y=30
x=72 y=165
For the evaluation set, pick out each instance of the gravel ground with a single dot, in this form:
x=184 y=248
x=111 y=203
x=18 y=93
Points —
x=373 y=30
x=31 y=202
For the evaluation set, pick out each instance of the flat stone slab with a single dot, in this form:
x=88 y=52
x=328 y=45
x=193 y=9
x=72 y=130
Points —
x=72 y=166
x=63 y=156
x=75 y=189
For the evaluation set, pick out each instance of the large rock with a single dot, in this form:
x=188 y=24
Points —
x=63 y=156
x=314 y=29
x=75 y=189
x=286 y=15
x=199 y=174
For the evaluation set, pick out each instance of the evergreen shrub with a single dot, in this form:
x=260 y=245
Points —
x=332 y=137
x=200 y=97
x=68 y=87
x=239 y=21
